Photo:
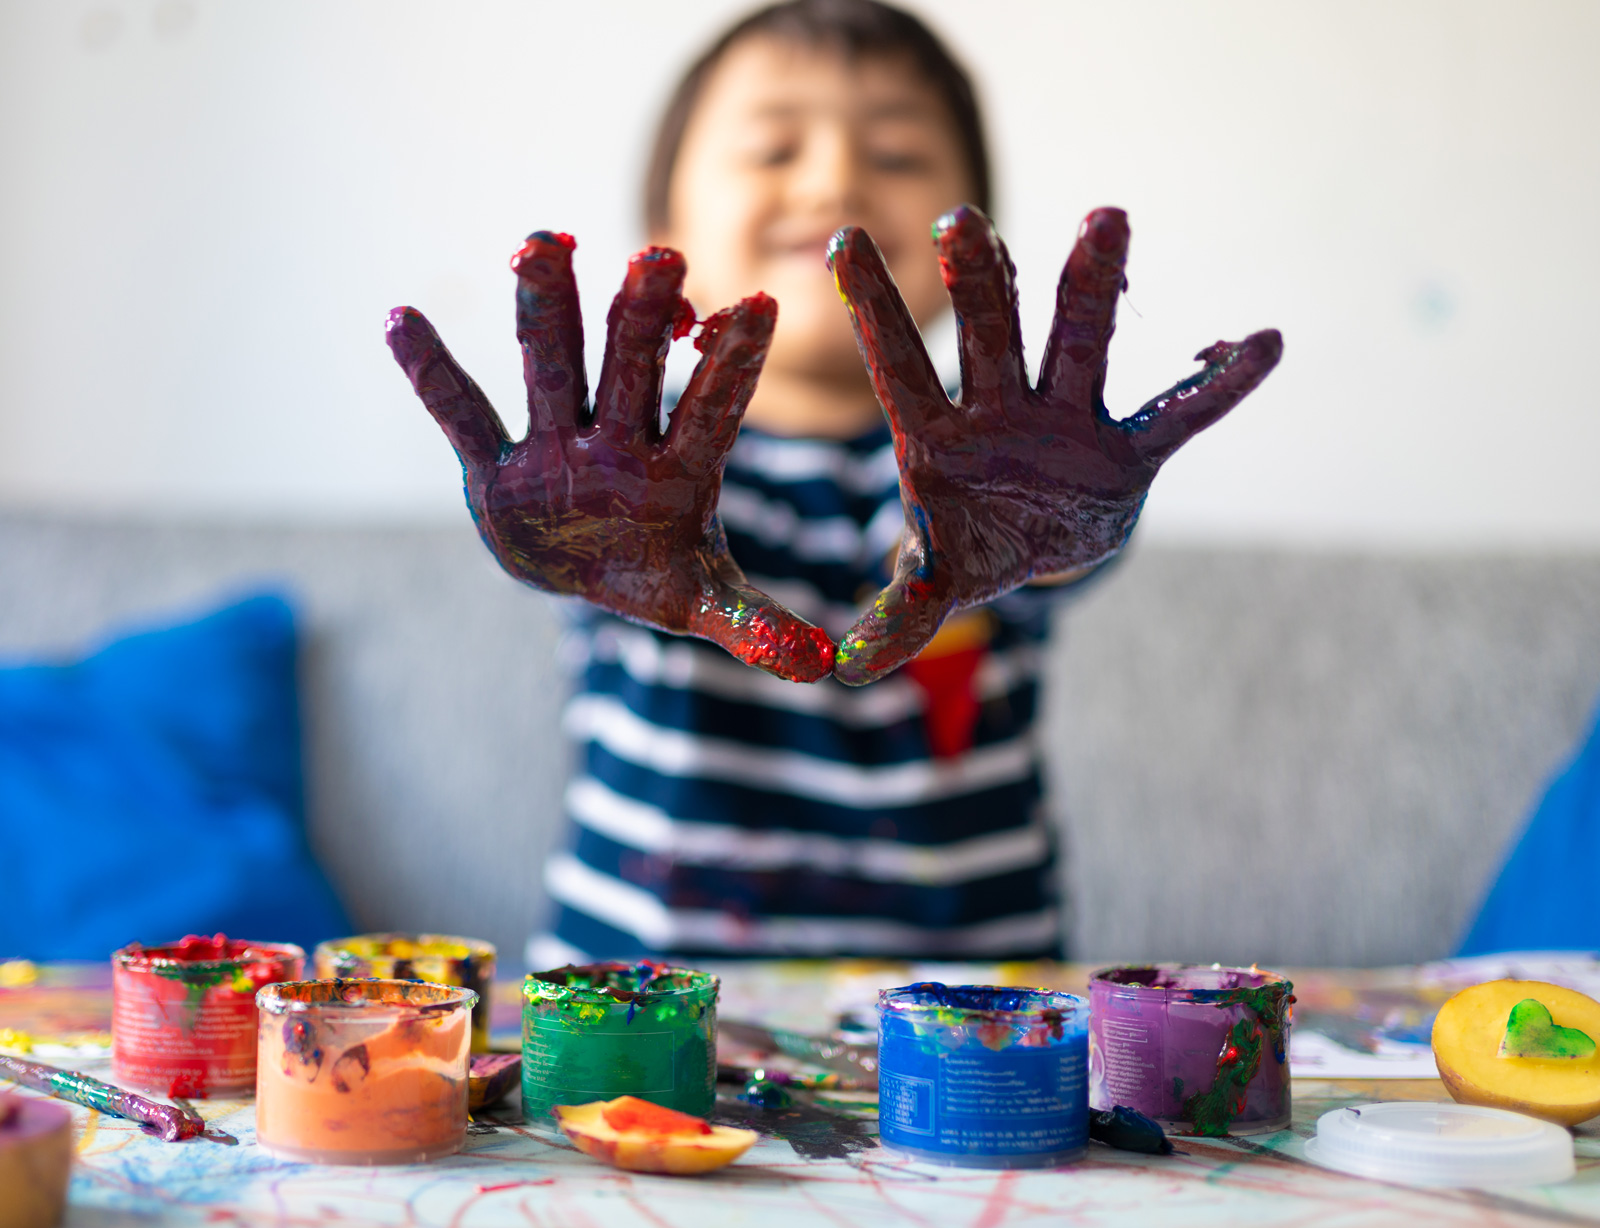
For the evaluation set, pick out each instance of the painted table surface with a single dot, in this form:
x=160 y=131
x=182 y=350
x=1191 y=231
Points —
x=526 y=1173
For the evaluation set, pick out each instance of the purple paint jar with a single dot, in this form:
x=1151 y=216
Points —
x=1203 y=1050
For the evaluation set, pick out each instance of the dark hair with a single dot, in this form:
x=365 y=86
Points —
x=854 y=28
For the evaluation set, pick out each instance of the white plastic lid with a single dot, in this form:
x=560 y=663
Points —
x=1442 y=1145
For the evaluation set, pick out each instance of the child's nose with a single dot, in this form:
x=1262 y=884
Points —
x=827 y=175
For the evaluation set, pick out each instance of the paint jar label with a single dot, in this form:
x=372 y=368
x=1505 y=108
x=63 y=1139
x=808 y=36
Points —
x=995 y=1087
x=1020 y=1104
x=171 y=1040
x=640 y=1061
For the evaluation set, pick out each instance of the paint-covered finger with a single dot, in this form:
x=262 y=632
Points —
x=647 y=313
x=981 y=280
x=455 y=401
x=903 y=377
x=733 y=345
x=759 y=631
x=1074 y=369
x=901 y=621
x=550 y=330
x=1232 y=371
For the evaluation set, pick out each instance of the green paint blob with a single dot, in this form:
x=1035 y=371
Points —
x=606 y=1030
x=201 y=964
x=766 y=1094
x=1213 y=1110
x=197 y=979
x=1239 y=1060
x=1532 y=1032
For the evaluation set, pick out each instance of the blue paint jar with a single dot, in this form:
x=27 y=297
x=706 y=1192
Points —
x=983 y=1076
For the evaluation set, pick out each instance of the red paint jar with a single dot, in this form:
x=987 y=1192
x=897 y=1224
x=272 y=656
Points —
x=183 y=1019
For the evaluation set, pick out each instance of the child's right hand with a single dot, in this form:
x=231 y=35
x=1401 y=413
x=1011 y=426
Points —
x=610 y=508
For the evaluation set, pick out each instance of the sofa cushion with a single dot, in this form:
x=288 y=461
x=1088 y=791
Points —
x=154 y=789
x=1544 y=897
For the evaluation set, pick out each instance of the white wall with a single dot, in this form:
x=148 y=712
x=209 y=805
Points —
x=208 y=207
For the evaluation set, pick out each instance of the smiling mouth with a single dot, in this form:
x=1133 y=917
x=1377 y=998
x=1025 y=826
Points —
x=810 y=249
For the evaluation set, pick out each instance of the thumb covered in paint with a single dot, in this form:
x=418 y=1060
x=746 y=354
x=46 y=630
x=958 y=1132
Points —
x=456 y=402
x=759 y=631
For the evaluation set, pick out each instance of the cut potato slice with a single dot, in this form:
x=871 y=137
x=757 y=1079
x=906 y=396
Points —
x=641 y=1137
x=1474 y=1026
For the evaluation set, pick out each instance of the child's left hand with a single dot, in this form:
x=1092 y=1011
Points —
x=1014 y=483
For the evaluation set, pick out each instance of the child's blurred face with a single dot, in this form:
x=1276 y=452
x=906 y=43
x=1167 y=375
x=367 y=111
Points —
x=786 y=145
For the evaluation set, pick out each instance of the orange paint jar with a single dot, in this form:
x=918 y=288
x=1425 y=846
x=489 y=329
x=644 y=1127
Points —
x=363 y=1071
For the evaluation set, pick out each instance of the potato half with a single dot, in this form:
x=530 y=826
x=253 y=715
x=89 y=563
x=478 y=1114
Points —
x=641 y=1137
x=1467 y=1039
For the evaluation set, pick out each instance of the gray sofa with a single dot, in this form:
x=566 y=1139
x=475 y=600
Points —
x=1292 y=758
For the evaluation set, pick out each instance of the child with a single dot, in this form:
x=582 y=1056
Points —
x=717 y=810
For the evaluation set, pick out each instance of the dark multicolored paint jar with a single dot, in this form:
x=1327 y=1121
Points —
x=983 y=1076
x=438 y=959
x=183 y=1014
x=604 y=1030
x=1204 y=1050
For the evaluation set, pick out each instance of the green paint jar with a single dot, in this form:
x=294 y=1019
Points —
x=600 y=1031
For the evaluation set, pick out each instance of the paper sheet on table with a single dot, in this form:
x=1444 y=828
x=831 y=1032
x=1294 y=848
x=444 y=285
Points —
x=1579 y=970
x=1314 y=1056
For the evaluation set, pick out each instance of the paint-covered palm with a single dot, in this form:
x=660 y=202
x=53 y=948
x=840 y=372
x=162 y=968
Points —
x=1011 y=482
x=600 y=503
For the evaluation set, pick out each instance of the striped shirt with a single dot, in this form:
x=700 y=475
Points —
x=718 y=811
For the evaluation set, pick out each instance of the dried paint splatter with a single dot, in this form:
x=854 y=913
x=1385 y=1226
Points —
x=814 y=1132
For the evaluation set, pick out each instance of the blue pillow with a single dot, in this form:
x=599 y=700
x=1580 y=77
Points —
x=155 y=789
x=1545 y=898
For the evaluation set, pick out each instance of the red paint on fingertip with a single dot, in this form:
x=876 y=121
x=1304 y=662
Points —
x=966 y=242
x=760 y=304
x=654 y=257
x=543 y=245
x=848 y=240
x=758 y=315
x=801 y=654
x=1106 y=230
x=967 y=225
x=684 y=321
